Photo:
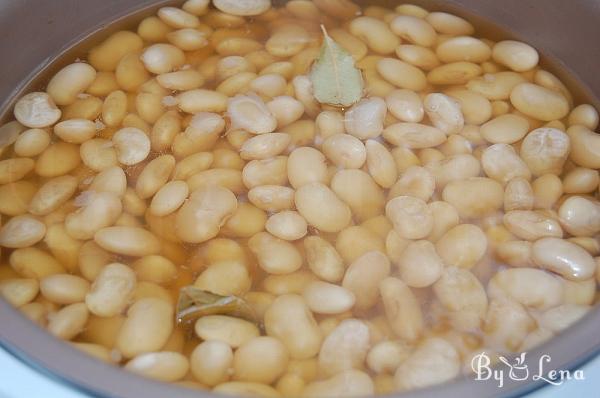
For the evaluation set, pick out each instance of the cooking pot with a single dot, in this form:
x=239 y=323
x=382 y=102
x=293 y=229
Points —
x=36 y=32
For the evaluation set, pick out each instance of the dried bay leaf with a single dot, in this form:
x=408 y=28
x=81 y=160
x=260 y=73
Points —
x=194 y=303
x=336 y=80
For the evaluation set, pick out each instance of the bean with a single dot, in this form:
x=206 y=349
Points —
x=434 y=354
x=36 y=110
x=345 y=348
x=562 y=317
x=19 y=291
x=354 y=241
x=58 y=159
x=461 y=293
x=272 y=198
x=580 y=293
x=251 y=114
x=375 y=33
x=411 y=217
x=387 y=355
x=225 y=278
x=513 y=283
x=233 y=331
x=515 y=253
x=401 y=308
x=99 y=210
x=147 y=328
x=285 y=109
x=14 y=169
x=275 y=256
x=585 y=115
x=414 y=29
x=21 y=231
x=303 y=91
x=261 y=360
x=406 y=105
x=584 y=146
x=52 y=195
x=32 y=262
x=247 y=8
x=292 y=283
x=413 y=135
x=287 y=225
x=545 y=150
x=15 y=197
x=380 y=164
x=154 y=175
x=421 y=57
x=323 y=259
x=579 y=216
x=290 y=320
x=69 y=321
x=111 y=290
x=75 y=131
x=31 y=142
x=463 y=48
x=363 y=277
x=505 y=129
x=343 y=9
x=474 y=197
x=210 y=362
x=419 y=264
x=321 y=208
x=64 y=288
x=530 y=225
x=156 y=269
x=192 y=164
x=98 y=154
x=240 y=388
x=516 y=55
x=507 y=324
x=106 y=55
x=112 y=180
x=327 y=298
x=264 y=146
x=547 y=189
x=162 y=58
x=581 y=180
x=539 y=102
x=364 y=204
x=345 y=150
x=462 y=246
x=306 y=165
x=563 y=257
x=92 y=259
x=163 y=366
x=201 y=100
x=365 y=119
x=69 y=82
x=132 y=145
x=501 y=162
x=444 y=112
x=402 y=74
x=128 y=241
x=518 y=195
x=247 y=221
x=169 y=198
x=349 y=383
x=201 y=217
x=455 y=73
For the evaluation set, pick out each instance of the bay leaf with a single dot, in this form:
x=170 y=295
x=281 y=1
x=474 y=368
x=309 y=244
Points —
x=336 y=80
x=194 y=303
